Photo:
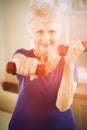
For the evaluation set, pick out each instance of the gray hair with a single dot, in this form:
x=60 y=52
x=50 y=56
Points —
x=42 y=11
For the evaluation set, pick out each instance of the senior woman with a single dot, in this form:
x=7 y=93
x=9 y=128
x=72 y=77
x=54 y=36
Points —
x=44 y=101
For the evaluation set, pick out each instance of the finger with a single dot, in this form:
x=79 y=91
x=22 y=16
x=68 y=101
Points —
x=33 y=67
x=20 y=71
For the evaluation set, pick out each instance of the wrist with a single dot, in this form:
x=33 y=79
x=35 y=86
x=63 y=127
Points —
x=70 y=63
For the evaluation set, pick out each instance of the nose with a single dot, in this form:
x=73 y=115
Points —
x=46 y=37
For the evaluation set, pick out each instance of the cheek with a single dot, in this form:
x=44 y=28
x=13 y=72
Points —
x=58 y=33
x=36 y=42
x=55 y=39
x=36 y=37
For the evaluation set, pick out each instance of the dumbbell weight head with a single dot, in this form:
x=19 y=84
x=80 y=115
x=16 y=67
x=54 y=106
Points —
x=11 y=68
x=41 y=70
x=62 y=49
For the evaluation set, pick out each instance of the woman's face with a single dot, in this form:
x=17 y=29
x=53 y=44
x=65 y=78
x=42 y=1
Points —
x=46 y=36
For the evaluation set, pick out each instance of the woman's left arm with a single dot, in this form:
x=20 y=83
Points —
x=68 y=83
x=67 y=88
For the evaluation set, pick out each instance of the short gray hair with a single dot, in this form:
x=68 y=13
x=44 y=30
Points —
x=42 y=11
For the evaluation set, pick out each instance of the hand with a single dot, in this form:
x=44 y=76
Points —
x=25 y=66
x=75 y=49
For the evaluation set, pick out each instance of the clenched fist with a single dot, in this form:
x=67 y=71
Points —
x=25 y=66
x=75 y=49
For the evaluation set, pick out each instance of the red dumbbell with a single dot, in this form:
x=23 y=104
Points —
x=11 y=69
x=62 y=49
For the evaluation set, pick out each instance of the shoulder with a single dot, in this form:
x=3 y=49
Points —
x=27 y=53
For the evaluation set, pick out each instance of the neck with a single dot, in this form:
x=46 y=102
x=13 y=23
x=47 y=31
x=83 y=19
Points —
x=42 y=57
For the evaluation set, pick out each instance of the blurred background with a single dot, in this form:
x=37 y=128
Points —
x=13 y=35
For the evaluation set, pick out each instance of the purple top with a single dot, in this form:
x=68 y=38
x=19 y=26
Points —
x=36 y=106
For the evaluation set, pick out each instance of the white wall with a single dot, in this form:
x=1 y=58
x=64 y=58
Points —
x=78 y=26
x=78 y=30
x=1 y=42
x=15 y=34
x=14 y=25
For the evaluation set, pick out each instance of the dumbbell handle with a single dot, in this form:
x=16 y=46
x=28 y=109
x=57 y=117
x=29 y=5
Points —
x=11 y=69
x=63 y=49
x=41 y=68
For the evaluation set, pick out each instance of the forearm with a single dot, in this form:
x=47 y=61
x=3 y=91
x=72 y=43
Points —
x=67 y=88
x=68 y=79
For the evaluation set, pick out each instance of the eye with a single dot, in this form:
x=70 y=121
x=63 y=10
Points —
x=52 y=32
x=39 y=32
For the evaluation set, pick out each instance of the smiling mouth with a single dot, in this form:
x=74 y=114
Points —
x=46 y=45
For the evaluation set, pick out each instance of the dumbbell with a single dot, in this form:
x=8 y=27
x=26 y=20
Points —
x=41 y=68
x=11 y=69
